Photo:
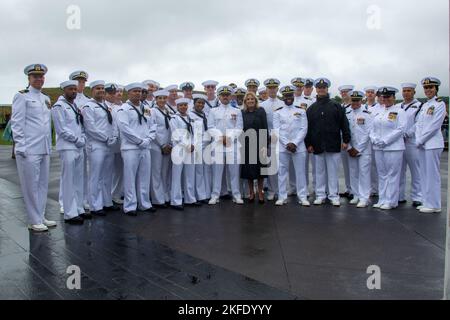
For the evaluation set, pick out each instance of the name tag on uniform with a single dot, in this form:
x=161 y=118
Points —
x=430 y=111
x=361 y=121
x=392 y=116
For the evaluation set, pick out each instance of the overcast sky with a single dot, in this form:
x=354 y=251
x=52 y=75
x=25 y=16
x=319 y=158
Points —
x=228 y=41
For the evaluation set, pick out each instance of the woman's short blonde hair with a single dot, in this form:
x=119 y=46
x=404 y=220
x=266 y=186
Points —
x=250 y=94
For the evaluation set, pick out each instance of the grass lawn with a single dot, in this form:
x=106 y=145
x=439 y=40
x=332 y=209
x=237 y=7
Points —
x=3 y=142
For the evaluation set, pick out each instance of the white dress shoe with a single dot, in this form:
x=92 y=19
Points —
x=86 y=207
x=61 y=210
x=377 y=205
x=318 y=202
x=362 y=204
x=336 y=203
x=281 y=202
x=271 y=197
x=386 y=207
x=38 y=227
x=420 y=207
x=430 y=210
x=49 y=223
x=213 y=201
x=354 y=201
x=238 y=200
x=305 y=203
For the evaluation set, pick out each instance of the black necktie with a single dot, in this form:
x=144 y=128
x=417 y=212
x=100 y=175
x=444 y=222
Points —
x=205 y=121
x=108 y=113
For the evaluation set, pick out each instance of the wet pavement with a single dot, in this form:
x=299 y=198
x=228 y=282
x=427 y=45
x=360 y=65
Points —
x=223 y=252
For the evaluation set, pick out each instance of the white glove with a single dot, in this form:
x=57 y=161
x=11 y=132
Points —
x=111 y=141
x=145 y=144
x=80 y=143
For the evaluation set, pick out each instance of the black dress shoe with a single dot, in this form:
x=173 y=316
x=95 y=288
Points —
x=112 y=208
x=204 y=201
x=251 y=200
x=76 y=220
x=344 y=195
x=99 y=213
x=160 y=206
x=402 y=202
x=86 y=216
x=178 y=208
x=131 y=213
x=195 y=204
x=150 y=210
x=417 y=204
x=350 y=197
x=226 y=197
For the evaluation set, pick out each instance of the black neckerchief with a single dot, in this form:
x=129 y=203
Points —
x=140 y=115
x=409 y=106
x=188 y=123
x=418 y=110
x=203 y=116
x=108 y=113
x=170 y=107
x=166 y=117
x=77 y=112
x=210 y=106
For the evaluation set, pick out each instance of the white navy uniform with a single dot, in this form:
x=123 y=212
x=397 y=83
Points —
x=411 y=156
x=345 y=160
x=270 y=105
x=117 y=174
x=161 y=163
x=183 y=168
x=292 y=126
x=137 y=131
x=98 y=124
x=360 y=122
x=211 y=104
x=387 y=138
x=31 y=127
x=374 y=110
x=430 y=142
x=203 y=167
x=308 y=101
x=80 y=101
x=225 y=121
x=70 y=142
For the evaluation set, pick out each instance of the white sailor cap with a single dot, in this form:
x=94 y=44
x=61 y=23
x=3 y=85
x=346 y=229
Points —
x=322 y=82
x=429 y=81
x=240 y=92
x=252 y=82
x=371 y=88
x=187 y=86
x=387 y=91
x=309 y=82
x=225 y=90
x=272 y=83
x=96 y=83
x=408 y=85
x=356 y=94
x=210 y=83
x=68 y=83
x=79 y=74
x=111 y=87
x=199 y=96
x=161 y=93
x=298 y=82
x=347 y=87
x=261 y=90
x=153 y=82
x=37 y=68
x=233 y=85
x=120 y=87
x=287 y=90
x=171 y=87
x=135 y=85
x=182 y=101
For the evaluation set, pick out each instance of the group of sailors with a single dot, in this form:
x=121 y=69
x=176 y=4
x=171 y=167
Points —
x=150 y=152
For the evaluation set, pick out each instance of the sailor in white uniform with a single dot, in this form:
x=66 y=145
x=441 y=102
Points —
x=161 y=150
x=359 y=150
x=202 y=139
x=388 y=143
x=98 y=124
x=290 y=124
x=31 y=127
x=262 y=94
x=212 y=101
x=226 y=125
x=188 y=88
x=137 y=131
x=430 y=141
x=70 y=142
x=152 y=87
x=411 y=106
x=171 y=105
x=270 y=105
x=252 y=85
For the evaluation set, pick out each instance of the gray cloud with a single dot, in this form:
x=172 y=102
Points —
x=229 y=41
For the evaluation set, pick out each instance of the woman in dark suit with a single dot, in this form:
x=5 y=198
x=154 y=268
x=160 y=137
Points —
x=254 y=118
